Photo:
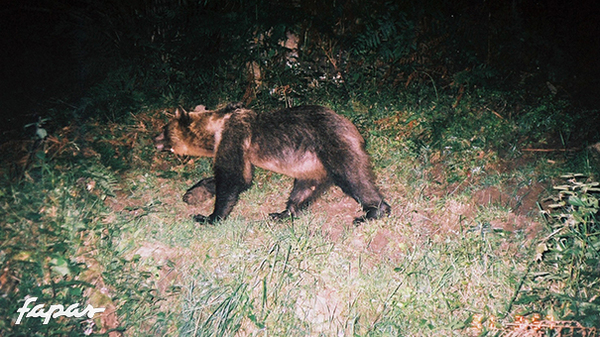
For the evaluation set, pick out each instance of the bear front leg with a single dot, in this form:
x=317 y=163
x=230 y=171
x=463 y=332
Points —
x=229 y=183
x=225 y=200
x=232 y=167
x=303 y=194
x=224 y=203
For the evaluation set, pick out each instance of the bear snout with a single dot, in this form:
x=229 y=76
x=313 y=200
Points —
x=159 y=142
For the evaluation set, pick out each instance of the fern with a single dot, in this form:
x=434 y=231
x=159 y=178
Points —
x=389 y=38
x=100 y=177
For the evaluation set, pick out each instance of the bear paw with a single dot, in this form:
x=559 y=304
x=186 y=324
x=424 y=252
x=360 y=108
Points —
x=281 y=215
x=203 y=219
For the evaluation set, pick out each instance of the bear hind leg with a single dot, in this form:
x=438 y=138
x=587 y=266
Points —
x=362 y=189
x=372 y=212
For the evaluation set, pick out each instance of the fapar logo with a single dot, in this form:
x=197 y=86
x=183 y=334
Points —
x=55 y=310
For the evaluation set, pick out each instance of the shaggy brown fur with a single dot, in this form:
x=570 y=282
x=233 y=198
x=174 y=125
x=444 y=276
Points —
x=312 y=144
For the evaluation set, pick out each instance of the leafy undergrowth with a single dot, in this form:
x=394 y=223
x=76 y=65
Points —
x=96 y=217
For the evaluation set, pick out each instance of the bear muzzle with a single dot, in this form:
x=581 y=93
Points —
x=160 y=143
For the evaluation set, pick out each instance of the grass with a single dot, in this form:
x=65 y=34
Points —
x=454 y=258
x=294 y=279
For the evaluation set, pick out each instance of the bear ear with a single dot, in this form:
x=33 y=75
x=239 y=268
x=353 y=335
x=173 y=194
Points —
x=182 y=116
x=199 y=108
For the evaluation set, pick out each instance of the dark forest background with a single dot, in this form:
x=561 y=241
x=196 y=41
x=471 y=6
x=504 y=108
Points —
x=73 y=60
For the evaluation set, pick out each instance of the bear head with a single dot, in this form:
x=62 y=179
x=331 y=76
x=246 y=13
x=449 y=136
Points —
x=192 y=133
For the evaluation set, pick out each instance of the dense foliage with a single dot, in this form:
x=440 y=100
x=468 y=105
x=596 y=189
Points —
x=127 y=56
x=570 y=255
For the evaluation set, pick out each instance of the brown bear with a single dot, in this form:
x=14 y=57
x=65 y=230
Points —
x=312 y=144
